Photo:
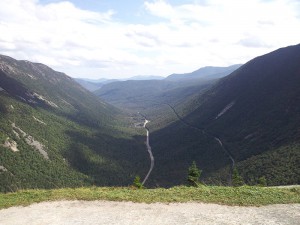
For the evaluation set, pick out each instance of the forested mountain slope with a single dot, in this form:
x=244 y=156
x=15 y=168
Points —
x=93 y=85
x=54 y=133
x=144 y=95
x=255 y=112
x=208 y=72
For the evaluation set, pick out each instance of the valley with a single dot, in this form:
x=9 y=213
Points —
x=55 y=133
x=149 y=151
x=149 y=112
x=242 y=121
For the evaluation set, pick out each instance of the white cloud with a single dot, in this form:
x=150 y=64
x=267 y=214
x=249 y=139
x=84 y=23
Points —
x=185 y=37
x=161 y=8
x=225 y=31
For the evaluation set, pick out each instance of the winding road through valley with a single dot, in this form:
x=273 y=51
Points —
x=149 y=150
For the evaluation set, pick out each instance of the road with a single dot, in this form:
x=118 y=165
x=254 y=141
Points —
x=150 y=152
x=218 y=140
x=225 y=150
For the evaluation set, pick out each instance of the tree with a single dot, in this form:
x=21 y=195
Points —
x=137 y=182
x=237 y=180
x=262 y=181
x=193 y=174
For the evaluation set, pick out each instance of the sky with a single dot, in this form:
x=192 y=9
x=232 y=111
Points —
x=118 y=39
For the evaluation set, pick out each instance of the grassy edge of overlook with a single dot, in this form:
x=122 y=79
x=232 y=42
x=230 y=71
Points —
x=235 y=196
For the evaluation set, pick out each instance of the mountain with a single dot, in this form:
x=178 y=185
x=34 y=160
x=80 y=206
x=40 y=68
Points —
x=208 y=72
x=145 y=77
x=100 y=80
x=93 y=85
x=139 y=95
x=254 y=113
x=54 y=133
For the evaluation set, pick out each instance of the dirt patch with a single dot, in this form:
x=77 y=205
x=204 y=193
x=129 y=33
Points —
x=104 y=212
x=11 y=144
x=30 y=141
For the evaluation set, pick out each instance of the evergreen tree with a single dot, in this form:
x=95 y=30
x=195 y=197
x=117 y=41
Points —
x=237 y=180
x=262 y=181
x=137 y=182
x=193 y=175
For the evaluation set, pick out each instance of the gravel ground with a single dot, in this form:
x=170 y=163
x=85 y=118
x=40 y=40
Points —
x=104 y=212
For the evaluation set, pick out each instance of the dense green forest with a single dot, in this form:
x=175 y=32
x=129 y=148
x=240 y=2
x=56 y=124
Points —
x=54 y=133
x=254 y=112
x=148 y=95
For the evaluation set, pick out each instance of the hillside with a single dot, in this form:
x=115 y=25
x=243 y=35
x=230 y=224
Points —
x=54 y=133
x=208 y=72
x=145 y=77
x=93 y=85
x=144 y=95
x=255 y=112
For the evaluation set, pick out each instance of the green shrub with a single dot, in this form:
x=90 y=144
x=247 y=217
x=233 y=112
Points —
x=237 y=180
x=137 y=182
x=193 y=175
x=262 y=181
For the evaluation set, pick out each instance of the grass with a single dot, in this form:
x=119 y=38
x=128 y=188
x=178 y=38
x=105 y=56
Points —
x=241 y=196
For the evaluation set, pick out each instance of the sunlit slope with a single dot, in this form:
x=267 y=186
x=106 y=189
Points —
x=54 y=133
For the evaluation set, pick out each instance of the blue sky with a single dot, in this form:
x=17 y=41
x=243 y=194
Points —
x=118 y=39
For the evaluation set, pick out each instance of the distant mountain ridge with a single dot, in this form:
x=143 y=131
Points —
x=137 y=94
x=145 y=77
x=93 y=85
x=205 y=73
x=208 y=72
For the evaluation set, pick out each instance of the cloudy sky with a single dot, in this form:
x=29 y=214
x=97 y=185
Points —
x=123 y=38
